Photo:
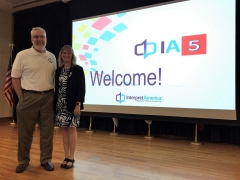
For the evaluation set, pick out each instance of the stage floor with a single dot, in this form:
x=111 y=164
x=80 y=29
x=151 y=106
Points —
x=101 y=156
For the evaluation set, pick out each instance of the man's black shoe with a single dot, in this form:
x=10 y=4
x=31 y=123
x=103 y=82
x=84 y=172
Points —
x=48 y=166
x=21 y=167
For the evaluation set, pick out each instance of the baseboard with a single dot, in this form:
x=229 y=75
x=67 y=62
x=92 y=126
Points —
x=6 y=118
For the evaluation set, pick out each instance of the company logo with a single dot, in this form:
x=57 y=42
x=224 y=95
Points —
x=145 y=45
x=120 y=97
x=190 y=45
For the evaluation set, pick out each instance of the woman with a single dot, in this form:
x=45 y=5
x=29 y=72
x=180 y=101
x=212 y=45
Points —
x=69 y=98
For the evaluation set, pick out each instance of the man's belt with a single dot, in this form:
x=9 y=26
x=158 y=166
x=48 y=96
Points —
x=38 y=92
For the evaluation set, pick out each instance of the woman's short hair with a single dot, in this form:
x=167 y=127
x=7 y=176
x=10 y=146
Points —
x=68 y=48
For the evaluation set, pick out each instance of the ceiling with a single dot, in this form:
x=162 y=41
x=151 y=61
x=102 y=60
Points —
x=17 y=5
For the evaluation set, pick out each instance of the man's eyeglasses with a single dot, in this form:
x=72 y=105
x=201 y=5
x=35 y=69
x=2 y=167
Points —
x=36 y=37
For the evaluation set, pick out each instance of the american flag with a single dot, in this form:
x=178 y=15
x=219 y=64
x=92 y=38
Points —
x=8 y=89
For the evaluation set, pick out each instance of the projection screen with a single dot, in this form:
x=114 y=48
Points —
x=171 y=59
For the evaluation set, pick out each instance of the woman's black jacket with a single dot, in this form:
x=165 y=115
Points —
x=76 y=89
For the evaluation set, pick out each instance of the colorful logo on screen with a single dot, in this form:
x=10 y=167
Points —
x=120 y=97
x=145 y=46
x=190 y=45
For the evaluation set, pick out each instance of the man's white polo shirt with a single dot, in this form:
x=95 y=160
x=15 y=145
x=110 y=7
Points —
x=36 y=70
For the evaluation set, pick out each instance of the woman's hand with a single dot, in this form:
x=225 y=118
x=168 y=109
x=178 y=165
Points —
x=77 y=110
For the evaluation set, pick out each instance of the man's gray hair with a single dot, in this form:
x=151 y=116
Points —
x=38 y=28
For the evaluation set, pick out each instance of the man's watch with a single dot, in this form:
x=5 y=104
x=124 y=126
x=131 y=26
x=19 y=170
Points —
x=78 y=104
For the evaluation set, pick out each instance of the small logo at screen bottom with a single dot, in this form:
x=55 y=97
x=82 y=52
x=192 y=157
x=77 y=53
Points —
x=120 y=97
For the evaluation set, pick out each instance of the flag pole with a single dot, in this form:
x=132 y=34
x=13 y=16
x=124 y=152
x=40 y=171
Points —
x=12 y=45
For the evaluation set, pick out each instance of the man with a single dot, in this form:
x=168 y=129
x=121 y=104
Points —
x=33 y=74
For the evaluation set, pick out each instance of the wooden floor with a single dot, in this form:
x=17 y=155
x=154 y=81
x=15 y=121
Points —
x=100 y=156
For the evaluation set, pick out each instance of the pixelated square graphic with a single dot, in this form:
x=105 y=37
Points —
x=85 y=47
x=73 y=37
x=77 y=46
x=92 y=41
x=88 y=55
x=101 y=23
x=82 y=28
x=87 y=34
x=94 y=69
x=121 y=14
x=93 y=62
x=120 y=27
x=107 y=36
x=82 y=57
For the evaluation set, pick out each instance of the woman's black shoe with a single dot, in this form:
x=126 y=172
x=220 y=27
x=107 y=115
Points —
x=70 y=166
x=63 y=165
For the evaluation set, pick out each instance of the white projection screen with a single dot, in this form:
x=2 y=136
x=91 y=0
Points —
x=170 y=59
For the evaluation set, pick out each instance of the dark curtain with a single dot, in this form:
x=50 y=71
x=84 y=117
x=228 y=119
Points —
x=167 y=129
x=56 y=19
